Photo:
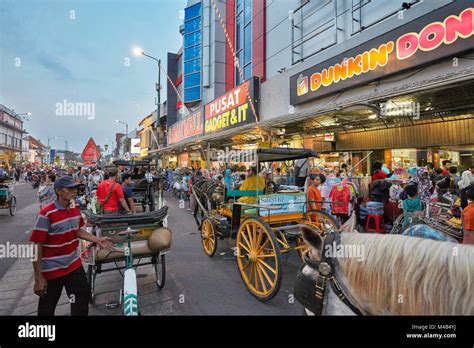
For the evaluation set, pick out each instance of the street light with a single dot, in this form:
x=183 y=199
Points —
x=139 y=52
x=126 y=127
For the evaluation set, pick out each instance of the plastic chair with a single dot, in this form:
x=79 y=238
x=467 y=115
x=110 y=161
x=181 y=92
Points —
x=375 y=223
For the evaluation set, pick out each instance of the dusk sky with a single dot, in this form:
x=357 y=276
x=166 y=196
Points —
x=76 y=51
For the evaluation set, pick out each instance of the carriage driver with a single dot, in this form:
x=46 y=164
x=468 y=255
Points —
x=252 y=183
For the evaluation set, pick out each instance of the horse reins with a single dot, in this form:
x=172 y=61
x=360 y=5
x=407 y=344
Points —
x=311 y=292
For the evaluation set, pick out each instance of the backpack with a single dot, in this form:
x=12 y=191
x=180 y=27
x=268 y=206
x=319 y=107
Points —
x=99 y=207
x=298 y=168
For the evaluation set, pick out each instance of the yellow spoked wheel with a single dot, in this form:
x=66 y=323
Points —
x=322 y=221
x=208 y=237
x=301 y=246
x=259 y=258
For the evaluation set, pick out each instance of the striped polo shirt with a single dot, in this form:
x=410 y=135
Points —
x=56 y=227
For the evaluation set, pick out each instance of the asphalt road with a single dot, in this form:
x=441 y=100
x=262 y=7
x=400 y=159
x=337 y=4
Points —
x=213 y=286
x=15 y=229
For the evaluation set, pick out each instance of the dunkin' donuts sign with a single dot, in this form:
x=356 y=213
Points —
x=444 y=32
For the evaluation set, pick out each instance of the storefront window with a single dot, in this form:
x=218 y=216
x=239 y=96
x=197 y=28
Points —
x=243 y=39
x=403 y=158
x=192 y=53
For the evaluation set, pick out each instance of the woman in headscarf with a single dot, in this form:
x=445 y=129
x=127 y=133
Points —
x=467 y=181
x=422 y=179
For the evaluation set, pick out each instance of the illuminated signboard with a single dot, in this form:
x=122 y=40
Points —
x=233 y=108
x=188 y=127
x=439 y=34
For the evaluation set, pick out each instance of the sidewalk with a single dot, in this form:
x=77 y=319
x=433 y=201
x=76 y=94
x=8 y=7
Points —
x=17 y=296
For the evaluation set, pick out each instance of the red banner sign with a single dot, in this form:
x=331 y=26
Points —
x=90 y=154
x=186 y=128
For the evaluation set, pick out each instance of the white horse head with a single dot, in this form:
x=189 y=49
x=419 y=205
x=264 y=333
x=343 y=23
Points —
x=397 y=275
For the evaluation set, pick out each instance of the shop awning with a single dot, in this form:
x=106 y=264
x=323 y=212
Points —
x=447 y=103
x=442 y=104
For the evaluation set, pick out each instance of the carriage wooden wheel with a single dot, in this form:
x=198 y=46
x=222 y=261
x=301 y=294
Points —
x=259 y=258
x=322 y=222
x=208 y=237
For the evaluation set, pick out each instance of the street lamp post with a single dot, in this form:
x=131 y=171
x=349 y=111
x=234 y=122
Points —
x=23 y=117
x=126 y=130
x=139 y=51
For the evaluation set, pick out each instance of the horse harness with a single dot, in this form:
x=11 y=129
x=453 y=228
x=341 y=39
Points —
x=310 y=293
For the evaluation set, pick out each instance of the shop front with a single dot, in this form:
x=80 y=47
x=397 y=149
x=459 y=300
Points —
x=404 y=97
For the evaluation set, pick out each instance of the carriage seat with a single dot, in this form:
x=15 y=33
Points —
x=158 y=241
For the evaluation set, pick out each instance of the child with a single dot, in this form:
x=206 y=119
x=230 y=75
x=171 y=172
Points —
x=313 y=196
x=412 y=203
x=468 y=218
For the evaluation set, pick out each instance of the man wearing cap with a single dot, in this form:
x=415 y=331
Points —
x=110 y=193
x=58 y=262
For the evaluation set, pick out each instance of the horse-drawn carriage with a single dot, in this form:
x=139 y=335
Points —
x=7 y=198
x=264 y=230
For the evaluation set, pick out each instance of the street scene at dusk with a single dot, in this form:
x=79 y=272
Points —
x=237 y=158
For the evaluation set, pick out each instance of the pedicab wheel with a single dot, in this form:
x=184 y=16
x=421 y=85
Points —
x=91 y=274
x=12 y=206
x=208 y=237
x=160 y=269
x=259 y=258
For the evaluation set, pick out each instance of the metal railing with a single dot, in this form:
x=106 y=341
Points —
x=301 y=36
x=356 y=14
x=298 y=25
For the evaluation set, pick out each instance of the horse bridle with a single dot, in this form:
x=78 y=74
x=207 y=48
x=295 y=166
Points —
x=310 y=293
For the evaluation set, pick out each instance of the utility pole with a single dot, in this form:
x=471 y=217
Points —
x=65 y=152
x=158 y=110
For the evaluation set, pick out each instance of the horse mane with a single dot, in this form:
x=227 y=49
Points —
x=402 y=275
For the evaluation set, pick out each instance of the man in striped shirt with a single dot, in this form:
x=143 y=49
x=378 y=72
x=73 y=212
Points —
x=56 y=234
